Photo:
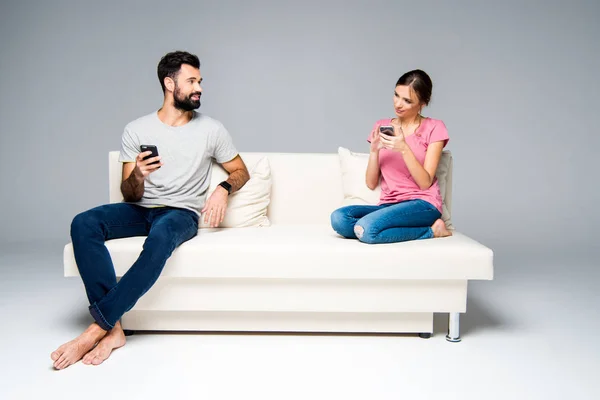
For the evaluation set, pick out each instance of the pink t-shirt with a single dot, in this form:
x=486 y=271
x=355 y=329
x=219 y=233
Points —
x=397 y=184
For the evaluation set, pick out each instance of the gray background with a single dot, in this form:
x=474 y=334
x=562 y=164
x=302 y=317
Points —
x=515 y=81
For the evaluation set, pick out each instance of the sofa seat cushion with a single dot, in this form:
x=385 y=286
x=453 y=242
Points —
x=307 y=252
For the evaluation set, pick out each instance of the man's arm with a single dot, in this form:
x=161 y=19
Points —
x=216 y=205
x=132 y=185
x=134 y=174
x=238 y=173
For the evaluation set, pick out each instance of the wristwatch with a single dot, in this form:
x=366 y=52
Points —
x=226 y=185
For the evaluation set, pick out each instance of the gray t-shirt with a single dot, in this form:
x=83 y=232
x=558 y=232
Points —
x=187 y=152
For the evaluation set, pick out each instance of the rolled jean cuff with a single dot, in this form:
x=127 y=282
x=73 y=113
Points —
x=99 y=318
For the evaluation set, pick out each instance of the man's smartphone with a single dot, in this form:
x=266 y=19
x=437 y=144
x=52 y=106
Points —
x=153 y=149
x=387 y=130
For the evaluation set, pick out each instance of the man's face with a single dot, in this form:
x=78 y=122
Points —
x=187 y=92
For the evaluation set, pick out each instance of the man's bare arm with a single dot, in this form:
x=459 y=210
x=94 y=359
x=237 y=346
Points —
x=134 y=174
x=132 y=185
x=238 y=173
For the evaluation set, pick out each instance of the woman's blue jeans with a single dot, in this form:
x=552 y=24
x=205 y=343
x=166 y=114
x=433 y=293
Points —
x=386 y=223
x=165 y=227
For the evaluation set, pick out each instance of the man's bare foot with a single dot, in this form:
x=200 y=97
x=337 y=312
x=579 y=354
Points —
x=71 y=352
x=110 y=342
x=439 y=229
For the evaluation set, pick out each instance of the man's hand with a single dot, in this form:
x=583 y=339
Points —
x=215 y=207
x=143 y=168
x=134 y=174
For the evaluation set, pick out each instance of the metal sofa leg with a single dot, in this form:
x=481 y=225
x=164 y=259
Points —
x=453 y=328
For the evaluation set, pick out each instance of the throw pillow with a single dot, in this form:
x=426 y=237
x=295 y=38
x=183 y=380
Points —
x=354 y=167
x=248 y=206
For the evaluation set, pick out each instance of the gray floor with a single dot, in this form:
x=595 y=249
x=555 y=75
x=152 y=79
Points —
x=529 y=334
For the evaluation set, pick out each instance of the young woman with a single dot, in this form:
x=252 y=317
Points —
x=405 y=157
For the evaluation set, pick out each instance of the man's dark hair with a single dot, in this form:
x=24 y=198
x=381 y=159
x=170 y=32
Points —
x=170 y=65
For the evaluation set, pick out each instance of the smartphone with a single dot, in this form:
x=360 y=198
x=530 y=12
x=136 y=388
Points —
x=153 y=149
x=387 y=130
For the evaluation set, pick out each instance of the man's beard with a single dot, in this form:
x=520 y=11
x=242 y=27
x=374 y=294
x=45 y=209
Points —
x=185 y=103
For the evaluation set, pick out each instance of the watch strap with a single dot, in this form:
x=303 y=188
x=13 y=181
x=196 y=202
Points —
x=226 y=185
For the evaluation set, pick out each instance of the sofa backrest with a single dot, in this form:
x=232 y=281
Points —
x=306 y=187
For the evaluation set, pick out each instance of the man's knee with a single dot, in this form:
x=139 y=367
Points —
x=84 y=222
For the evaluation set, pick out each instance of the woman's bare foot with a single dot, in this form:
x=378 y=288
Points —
x=439 y=229
x=110 y=342
x=71 y=352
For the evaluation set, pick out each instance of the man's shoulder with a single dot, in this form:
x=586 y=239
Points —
x=206 y=120
x=142 y=121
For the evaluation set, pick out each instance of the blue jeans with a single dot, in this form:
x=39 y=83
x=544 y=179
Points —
x=165 y=227
x=386 y=223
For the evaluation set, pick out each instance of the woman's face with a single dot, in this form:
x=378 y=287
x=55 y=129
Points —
x=406 y=102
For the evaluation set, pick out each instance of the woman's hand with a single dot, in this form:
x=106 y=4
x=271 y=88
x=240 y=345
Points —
x=396 y=142
x=376 y=144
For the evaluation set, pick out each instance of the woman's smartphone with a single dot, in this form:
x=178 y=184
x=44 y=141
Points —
x=387 y=130
x=153 y=149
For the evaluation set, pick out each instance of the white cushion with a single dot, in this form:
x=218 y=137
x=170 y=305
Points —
x=248 y=206
x=354 y=186
x=442 y=175
x=354 y=167
x=307 y=252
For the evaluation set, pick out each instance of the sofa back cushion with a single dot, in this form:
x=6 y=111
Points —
x=305 y=187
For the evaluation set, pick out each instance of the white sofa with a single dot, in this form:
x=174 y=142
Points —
x=298 y=275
